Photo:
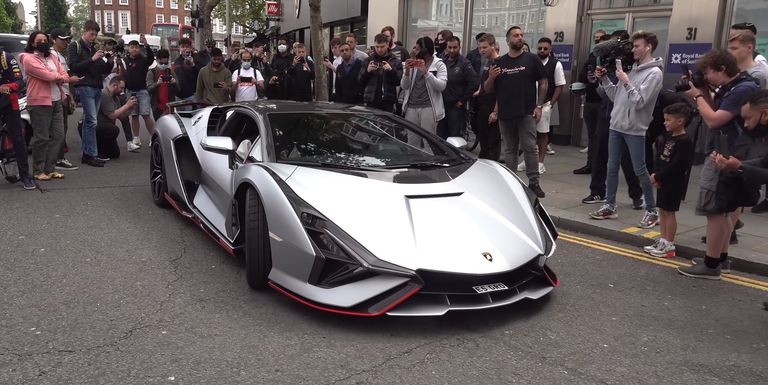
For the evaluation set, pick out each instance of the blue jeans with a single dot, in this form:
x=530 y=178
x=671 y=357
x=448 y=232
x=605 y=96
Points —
x=454 y=122
x=636 y=147
x=90 y=98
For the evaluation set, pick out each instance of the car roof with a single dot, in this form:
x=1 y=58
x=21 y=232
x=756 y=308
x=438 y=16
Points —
x=267 y=106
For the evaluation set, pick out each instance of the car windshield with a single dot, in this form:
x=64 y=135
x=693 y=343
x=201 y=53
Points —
x=354 y=140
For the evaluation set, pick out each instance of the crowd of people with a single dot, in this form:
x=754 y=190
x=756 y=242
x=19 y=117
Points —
x=510 y=101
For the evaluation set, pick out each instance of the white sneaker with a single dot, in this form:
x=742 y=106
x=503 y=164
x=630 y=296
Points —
x=584 y=150
x=137 y=141
x=521 y=166
x=132 y=147
x=542 y=169
x=653 y=247
x=550 y=151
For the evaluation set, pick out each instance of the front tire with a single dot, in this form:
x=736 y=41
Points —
x=258 y=255
x=157 y=180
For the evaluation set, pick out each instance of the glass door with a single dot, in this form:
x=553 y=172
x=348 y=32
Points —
x=658 y=25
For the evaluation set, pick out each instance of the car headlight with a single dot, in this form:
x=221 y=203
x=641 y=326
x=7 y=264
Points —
x=339 y=258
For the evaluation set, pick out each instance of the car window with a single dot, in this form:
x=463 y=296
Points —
x=352 y=139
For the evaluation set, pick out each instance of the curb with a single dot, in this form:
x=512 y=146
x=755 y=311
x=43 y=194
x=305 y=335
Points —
x=683 y=251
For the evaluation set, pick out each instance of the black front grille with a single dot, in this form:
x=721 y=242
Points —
x=457 y=283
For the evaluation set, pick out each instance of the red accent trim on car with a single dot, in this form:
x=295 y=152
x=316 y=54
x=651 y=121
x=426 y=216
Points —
x=337 y=311
x=554 y=283
x=223 y=243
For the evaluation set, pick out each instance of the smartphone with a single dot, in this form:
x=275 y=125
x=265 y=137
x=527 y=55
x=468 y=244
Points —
x=686 y=70
x=722 y=146
x=246 y=79
x=618 y=64
x=599 y=61
x=217 y=85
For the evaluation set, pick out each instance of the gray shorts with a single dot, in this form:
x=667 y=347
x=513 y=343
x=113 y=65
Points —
x=144 y=106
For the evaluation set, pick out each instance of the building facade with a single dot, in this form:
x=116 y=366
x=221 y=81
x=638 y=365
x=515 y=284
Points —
x=119 y=17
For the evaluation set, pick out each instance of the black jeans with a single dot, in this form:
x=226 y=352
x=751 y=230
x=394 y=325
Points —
x=600 y=163
x=106 y=140
x=13 y=124
x=487 y=134
x=591 y=115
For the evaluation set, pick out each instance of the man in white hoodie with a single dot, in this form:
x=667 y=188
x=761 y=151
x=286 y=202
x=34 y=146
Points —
x=423 y=82
x=634 y=98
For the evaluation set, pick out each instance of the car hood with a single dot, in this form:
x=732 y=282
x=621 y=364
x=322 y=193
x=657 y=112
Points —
x=479 y=222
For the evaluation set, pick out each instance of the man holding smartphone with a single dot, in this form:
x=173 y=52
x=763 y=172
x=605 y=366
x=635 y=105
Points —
x=634 y=98
x=248 y=81
x=214 y=82
x=162 y=84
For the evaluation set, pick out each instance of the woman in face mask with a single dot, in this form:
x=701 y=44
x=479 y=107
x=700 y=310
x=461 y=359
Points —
x=44 y=77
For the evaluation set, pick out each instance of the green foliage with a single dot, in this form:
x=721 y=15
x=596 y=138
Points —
x=80 y=12
x=55 y=14
x=9 y=22
x=248 y=14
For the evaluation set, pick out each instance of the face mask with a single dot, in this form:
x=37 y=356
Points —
x=760 y=131
x=246 y=65
x=42 y=47
x=282 y=48
x=162 y=67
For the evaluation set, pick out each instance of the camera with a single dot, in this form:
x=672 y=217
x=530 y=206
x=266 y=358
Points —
x=697 y=79
x=165 y=78
x=608 y=52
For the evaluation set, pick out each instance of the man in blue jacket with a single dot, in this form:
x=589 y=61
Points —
x=462 y=83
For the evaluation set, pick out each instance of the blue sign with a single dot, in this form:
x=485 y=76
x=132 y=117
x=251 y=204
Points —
x=685 y=53
x=564 y=53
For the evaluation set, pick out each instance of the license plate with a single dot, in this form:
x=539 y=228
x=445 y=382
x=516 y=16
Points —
x=490 y=287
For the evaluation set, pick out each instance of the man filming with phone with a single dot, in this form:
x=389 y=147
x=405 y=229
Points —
x=248 y=81
x=634 y=97
x=162 y=83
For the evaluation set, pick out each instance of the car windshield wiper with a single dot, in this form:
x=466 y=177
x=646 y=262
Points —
x=331 y=165
x=423 y=165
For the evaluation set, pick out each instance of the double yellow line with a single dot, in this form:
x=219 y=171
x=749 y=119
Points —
x=671 y=263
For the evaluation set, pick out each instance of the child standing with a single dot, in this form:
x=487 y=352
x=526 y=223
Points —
x=673 y=162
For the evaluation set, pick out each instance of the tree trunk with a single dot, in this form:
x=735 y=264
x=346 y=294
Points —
x=205 y=23
x=319 y=51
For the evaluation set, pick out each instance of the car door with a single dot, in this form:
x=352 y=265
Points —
x=214 y=198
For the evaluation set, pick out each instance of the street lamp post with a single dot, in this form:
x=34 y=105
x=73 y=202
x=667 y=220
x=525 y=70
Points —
x=39 y=17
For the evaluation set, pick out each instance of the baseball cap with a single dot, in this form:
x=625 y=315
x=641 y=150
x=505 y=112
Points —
x=133 y=42
x=60 y=33
x=747 y=26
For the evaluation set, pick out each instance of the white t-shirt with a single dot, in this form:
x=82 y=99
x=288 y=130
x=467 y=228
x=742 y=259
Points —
x=246 y=91
x=55 y=90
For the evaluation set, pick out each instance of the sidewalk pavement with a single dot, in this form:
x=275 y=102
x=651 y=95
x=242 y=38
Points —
x=563 y=202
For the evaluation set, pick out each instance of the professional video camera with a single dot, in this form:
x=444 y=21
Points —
x=696 y=78
x=608 y=51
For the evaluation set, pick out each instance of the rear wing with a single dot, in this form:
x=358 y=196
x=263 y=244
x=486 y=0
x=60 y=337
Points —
x=185 y=108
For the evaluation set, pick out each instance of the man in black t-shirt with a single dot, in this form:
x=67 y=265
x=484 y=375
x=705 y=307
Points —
x=518 y=107
x=140 y=57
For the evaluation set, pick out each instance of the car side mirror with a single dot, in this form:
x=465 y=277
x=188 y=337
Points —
x=457 y=141
x=218 y=144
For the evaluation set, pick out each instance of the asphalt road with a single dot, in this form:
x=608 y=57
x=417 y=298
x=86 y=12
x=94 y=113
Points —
x=101 y=287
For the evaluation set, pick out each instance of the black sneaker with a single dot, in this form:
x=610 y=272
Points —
x=537 y=190
x=27 y=183
x=91 y=161
x=734 y=238
x=103 y=159
x=593 y=198
x=700 y=271
x=760 y=208
x=583 y=171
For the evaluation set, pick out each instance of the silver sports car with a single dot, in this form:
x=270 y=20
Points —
x=352 y=210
